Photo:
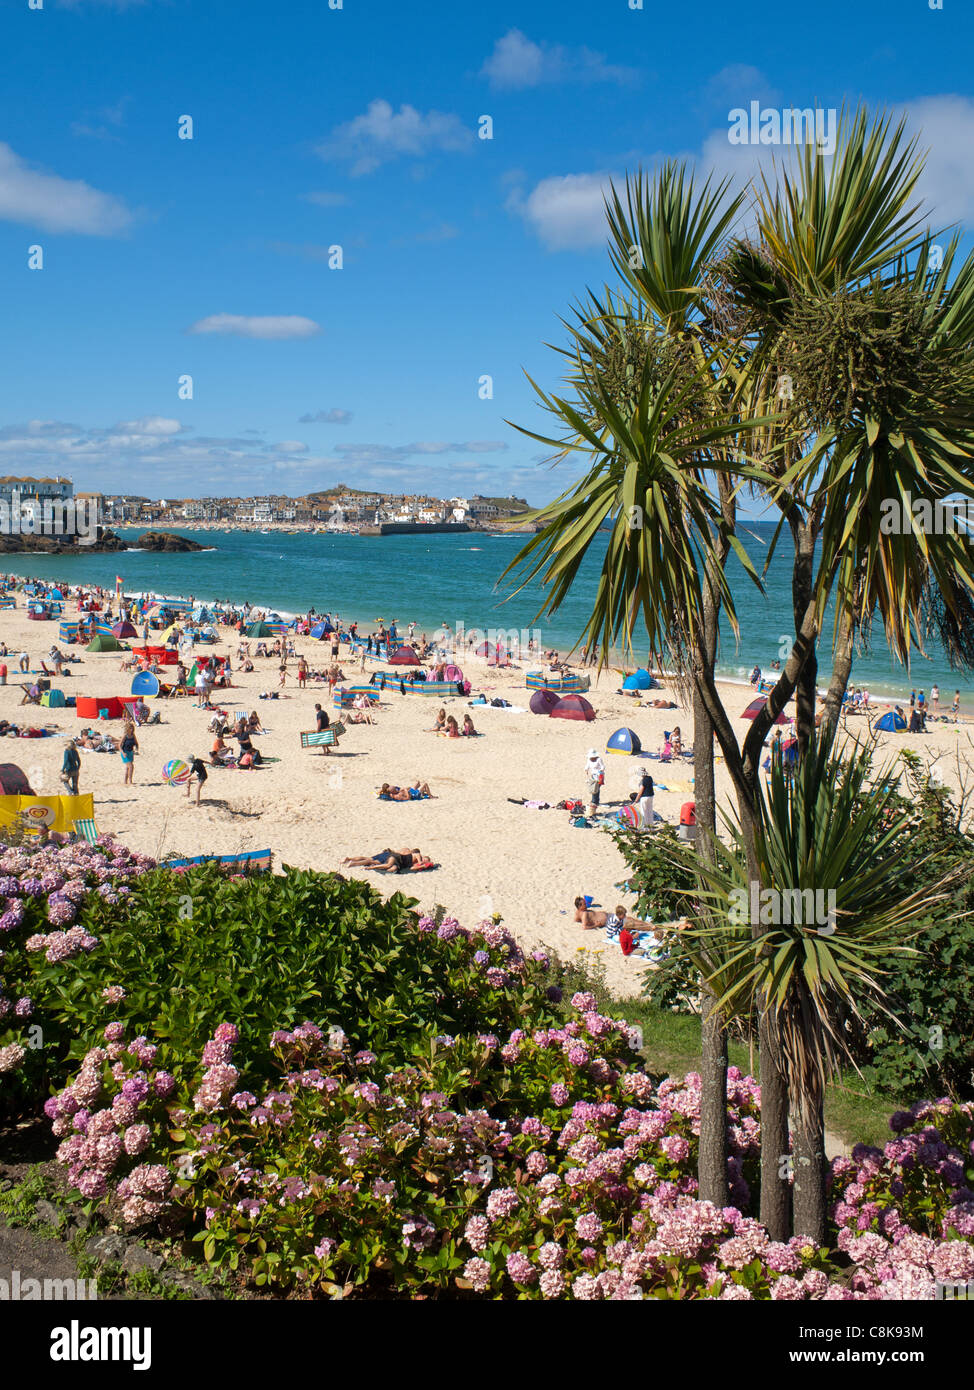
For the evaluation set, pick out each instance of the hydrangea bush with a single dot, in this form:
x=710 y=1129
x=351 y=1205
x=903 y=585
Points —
x=58 y=901
x=187 y=951
x=905 y=1213
x=545 y=1165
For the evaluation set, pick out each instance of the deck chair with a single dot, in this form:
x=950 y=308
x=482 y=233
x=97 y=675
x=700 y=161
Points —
x=86 y=829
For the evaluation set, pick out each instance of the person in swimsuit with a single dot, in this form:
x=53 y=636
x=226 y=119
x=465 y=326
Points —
x=592 y=918
x=389 y=861
x=128 y=748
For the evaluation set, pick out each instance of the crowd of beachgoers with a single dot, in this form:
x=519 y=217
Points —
x=323 y=750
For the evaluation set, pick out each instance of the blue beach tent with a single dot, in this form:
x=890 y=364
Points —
x=891 y=723
x=639 y=680
x=624 y=741
x=318 y=631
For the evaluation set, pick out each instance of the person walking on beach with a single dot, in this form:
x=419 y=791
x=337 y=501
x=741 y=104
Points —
x=197 y=771
x=955 y=707
x=128 y=748
x=302 y=673
x=70 y=768
x=595 y=776
x=935 y=699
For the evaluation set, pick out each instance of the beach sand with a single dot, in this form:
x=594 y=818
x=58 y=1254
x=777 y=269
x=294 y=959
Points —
x=313 y=810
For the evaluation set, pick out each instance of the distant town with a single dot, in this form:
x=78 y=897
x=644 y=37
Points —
x=338 y=509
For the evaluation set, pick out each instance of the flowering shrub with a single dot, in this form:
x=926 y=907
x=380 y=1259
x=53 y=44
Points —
x=905 y=1213
x=186 y=951
x=58 y=901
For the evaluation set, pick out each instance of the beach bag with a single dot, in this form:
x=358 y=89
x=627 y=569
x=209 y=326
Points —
x=579 y=822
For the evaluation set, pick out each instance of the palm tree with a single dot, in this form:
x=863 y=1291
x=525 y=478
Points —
x=651 y=382
x=677 y=404
x=833 y=910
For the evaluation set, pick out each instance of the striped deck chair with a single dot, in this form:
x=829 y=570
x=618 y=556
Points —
x=86 y=829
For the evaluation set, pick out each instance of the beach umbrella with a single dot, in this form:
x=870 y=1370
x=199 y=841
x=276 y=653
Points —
x=405 y=656
x=624 y=741
x=543 y=701
x=145 y=683
x=639 y=680
x=891 y=723
x=573 y=707
x=755 y=708
x=176 y=772
x=628 y=815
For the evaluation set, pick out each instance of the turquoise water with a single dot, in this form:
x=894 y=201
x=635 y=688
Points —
x=448 y=580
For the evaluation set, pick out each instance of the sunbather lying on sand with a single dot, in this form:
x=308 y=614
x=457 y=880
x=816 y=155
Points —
x=594 y=917
x=389 y=861
x=419 y=791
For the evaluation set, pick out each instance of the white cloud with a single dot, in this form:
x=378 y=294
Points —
x=381 y=134
x=566 y=212
x=517 y=62
x=47 y=201
x=326 y=417
x=944 y=126
x=289 y=446
x=151 y=425
x=266 y=326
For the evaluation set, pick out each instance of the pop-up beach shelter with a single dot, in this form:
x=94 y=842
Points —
x=891 y=723
x=145 y=683
x=755 y=708
x=543 y=701
x=260 y=630
x=124 y=629
x=639 y=680
x=624 y=741
x=405 y=656
x=573 y=707
x=13 y=781
x=320 y=631
x=103 y=642
x=452 y=673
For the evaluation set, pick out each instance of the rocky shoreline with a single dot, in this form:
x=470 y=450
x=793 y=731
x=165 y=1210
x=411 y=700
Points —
x=107 y=541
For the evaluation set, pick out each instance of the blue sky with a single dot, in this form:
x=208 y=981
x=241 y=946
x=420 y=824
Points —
x=357 y=127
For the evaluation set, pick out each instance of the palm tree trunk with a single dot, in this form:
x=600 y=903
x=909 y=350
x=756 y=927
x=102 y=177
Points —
x=801 y=592
x=775 y=1188
x=810 y=1164
x=712 y=1160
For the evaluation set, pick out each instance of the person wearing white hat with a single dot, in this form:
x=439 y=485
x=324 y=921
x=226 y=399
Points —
x=595 y=773
x=642 y=795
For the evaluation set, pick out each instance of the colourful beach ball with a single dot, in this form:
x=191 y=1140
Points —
x=177 y=772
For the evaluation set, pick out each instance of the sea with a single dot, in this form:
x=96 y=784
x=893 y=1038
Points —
x=453 y=581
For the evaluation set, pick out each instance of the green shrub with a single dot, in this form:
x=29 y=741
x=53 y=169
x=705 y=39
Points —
x=187 y=951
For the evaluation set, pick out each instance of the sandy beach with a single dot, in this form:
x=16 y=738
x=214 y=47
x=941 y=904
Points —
x=314 y=810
